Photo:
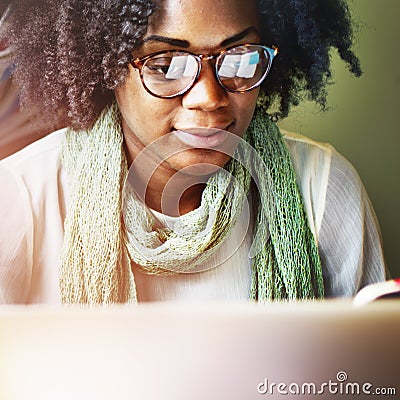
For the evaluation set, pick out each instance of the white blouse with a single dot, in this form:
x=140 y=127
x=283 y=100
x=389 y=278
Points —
x=34 y=198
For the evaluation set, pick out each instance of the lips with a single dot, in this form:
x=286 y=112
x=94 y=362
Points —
x=202 y=137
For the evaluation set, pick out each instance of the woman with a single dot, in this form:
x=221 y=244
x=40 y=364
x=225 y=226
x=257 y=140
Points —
x=177 y=92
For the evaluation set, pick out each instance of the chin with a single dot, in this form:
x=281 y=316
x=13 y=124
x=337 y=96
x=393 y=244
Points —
x=198 y=162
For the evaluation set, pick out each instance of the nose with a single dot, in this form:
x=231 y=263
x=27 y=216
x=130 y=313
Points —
x=206 y=94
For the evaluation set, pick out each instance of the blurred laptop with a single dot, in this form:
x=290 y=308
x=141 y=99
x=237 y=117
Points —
x=171 y=351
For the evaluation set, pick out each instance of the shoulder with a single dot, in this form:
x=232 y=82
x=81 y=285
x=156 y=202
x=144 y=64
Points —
x=315 y=161
x=32 y=210
x=37 y=169
x=311 y=159
x=39 y=152
x=38 y=162
x=303 y=146
x=321 y=172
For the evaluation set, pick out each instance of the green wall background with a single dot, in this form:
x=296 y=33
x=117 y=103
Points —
x=362 y=123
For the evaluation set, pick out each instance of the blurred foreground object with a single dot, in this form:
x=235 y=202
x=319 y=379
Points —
x=201 y=351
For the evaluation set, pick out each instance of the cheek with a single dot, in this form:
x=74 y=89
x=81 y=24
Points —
x=130 y=99
x=243 y=105
x=146 y=116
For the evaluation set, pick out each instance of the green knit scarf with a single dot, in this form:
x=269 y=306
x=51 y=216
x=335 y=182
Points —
x=99 y=245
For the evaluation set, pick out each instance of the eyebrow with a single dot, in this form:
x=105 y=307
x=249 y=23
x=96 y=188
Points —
x=164 y=39
x=186 y=44
x=239 y=36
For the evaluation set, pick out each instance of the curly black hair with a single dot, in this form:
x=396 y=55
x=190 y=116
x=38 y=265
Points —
x=70 y=55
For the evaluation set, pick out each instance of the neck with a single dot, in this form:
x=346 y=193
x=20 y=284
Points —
x=158 y=185
x=174 y=201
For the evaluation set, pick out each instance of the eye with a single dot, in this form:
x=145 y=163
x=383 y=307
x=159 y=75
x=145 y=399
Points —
x=158 y=65
x=175 y=65
x=157 y=69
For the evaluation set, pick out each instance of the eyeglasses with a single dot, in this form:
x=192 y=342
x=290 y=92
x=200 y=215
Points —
x=238 y=69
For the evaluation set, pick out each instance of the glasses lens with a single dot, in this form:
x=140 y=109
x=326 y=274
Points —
x=243 y=67
x=168 y=74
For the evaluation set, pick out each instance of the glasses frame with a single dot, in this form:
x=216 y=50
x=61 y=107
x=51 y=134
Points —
x=139 y=63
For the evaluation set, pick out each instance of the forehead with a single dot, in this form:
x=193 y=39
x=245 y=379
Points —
x=203 y=23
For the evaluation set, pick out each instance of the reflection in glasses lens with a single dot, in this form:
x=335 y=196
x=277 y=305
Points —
x=169 y=73
x=242 y=68
x=238 y=69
